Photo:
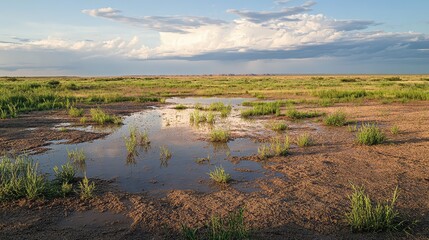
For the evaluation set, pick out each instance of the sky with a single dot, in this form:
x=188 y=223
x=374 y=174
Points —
x=139 y=37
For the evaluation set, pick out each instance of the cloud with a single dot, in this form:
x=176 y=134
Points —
x=281 y=2
x=290 y=34
x=178 y=24
x=264 y=16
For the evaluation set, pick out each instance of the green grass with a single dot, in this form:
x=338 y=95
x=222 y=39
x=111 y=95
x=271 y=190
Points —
x=100 y=117
x=76 y=156
x=219 y=135
x=66 y=174
x=366 y=216
x=211 y=118
x=230 y=227
x=394 y=130
x=337 y=119
x=131 y=141
x=180 y=107
x=275 y=147
x=20 y=95
x=86 y=189
x=220 y=176
x=304 y=140
x=295 y=114
x=76 y=112
x=277 y=126
x=265 y=108
x=165 y=153
x=370 y=134
x=197 y=117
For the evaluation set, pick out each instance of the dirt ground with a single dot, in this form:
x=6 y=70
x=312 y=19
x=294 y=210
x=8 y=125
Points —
x=307 y=201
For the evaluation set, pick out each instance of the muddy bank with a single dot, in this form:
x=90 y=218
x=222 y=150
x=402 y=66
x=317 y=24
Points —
x=35 y=131
x=306 y=200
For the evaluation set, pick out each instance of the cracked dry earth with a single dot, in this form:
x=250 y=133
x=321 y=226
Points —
x=306 y=201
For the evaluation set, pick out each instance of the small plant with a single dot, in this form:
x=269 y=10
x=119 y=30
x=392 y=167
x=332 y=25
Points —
x=336 y=119
x=370 y=134
x=230 y=227
x=62 y=129
x=131 y=141
x=102 y=118
x=189 y=233
x=304 y=140
x=203 y=160
x=210 y=118
x=278 y=126
x=144 y=139
x=219 y=175
x=198 y=106
x=197 y=117
x=295 y=114
x=86 y=189
x=66 y=189
x=165 y=152
x=83 y=120
x=352 y=128
x=394 y=130
x=275 y=147
x=76 y=112
x=219 y=135
x=66 y=174
x=180 y=107
x=77 y=156
x=365 y=216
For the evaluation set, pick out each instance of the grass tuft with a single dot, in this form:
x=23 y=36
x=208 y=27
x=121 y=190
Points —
x=295 y=114
x=66 y=174
x=275 y=147
x=180 y=107
x=86 y=189
x=219 y=135
x=394 y=130
x=370 y=134
x=278 y=126
x=100 y=117
x=365 y=216
x=76 y=112
x=219 y=175
x=304 y=140
x=336 y=119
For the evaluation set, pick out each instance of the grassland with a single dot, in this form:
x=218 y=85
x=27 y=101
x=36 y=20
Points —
x=18 y=95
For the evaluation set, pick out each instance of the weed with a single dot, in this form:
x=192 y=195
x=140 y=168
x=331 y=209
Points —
x=278 y=126
x=219 y=135
x=198 y=106
x=364 y=216
x=275 y=147
x=144 y=139
x=197 y=117
x=266 y=108
x=219 y=175
x=230 y=227
x=203 y=160
x=20 y=178
x=86 y=189
x=66 y=189
x=66 y=174
x=336 y=119
x=370 y=134
x=100 y=117
x=189 y=233
x=180 y=107
x=77 y=156
x=165 y=153
x=211 y=118
x=304 y=140
x=76 y=112
x=131 y=141
x=394 y=130
x=352 y=128
x=295 y=114
x=83 y=120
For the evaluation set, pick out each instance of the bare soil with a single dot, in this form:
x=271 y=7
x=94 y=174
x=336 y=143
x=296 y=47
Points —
x=307 y=201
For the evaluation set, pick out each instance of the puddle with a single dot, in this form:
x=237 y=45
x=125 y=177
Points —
x=107 y=158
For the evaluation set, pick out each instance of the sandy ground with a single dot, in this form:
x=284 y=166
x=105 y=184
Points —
x=307 y=201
